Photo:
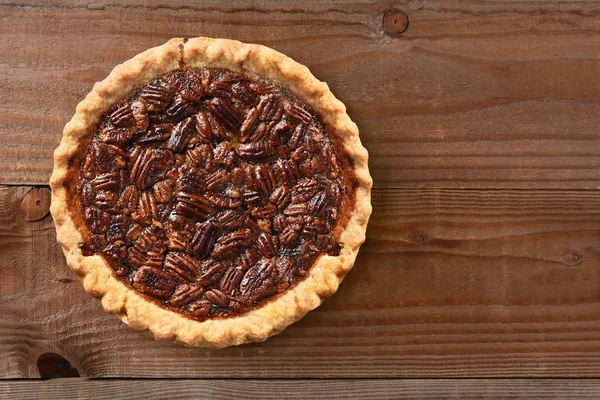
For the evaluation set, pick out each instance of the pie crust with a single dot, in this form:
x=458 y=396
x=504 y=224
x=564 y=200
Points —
x=321 y=281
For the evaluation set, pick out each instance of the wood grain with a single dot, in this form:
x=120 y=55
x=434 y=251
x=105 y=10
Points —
x=35 y=204
x=472 y=94
x=450 y=283
x=483 y=252
x=305 y=389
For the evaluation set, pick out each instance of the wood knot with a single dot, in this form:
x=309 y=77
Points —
x=575 y=258
x=419 y=237
x=36 y=204
x=395 y=21
x=52 y=365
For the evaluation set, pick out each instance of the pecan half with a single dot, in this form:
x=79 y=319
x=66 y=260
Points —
x=153 y=282
x=136 y=257
x=249 y=125
x=297 y=136
x=140 y=115
x=299 y=155
x=264 y=225
x=231 y=280
x=147 y=206
x=243 y=92
x=304 y=190
x=180 y=108
x=147 y=239
x=281 y=131
x=142 y=172
x=230 y=219
x=192 y=181
x=279 y=222
x=281 y=197
x=251 y=197
x=112 y=134
x=258 y=280
x=157 y=133
x=290 y=233
x=314 y=228
x=219 y=89
x=316 y=204
x=249 y=258
x=200 y=308
x=162 y=191
x=122 y=116
x=296 y=113
x=181 y=135
x=107 y=181
x=155 y=258
x=256 y=150
x=113 y=252
x=287 y=270
x=200 y=156
x=192 y=88
x=314 y=140
x=231 y=244
x=265 y=179
x=286 y=172
x=185 y=294
x=224 y=111
x=213 y=271
x=183 y=267
x=157 y=95
x=177 y=240
x=98 y=220
x=224 y=202
x=128 y=200
x=217 y=297
x=267 y=244
x=204 y=239
x=117 y=228
x=134 y=232
x=295 y=209
x=193 y=205
x=270 y=108
x=223 y=156
x=203 y=128
x=263 y=212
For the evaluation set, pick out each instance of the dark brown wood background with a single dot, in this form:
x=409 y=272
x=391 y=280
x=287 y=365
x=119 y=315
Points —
x=482 y=123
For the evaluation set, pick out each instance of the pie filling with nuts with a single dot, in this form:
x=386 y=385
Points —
x=210 y=191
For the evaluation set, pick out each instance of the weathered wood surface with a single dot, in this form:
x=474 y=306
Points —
x=483 y=252
x=451 y=282
x=472 y=94
x=308 y=389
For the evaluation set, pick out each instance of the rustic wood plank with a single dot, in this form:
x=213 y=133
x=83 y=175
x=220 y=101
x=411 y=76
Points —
x=473 y=94
x=451 y=283
x=304 y=389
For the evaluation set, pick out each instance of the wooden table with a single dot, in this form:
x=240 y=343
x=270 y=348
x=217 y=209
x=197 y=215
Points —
x=482 y=120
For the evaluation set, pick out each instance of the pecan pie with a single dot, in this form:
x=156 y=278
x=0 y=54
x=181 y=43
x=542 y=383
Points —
x=210 y=191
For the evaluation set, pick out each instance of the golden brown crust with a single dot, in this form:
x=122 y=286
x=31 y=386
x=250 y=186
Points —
x=270 y=319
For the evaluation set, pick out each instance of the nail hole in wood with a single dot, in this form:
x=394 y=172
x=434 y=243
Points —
x=52 y=365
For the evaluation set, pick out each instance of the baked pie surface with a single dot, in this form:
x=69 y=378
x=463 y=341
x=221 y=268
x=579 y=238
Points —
x=210 y=191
